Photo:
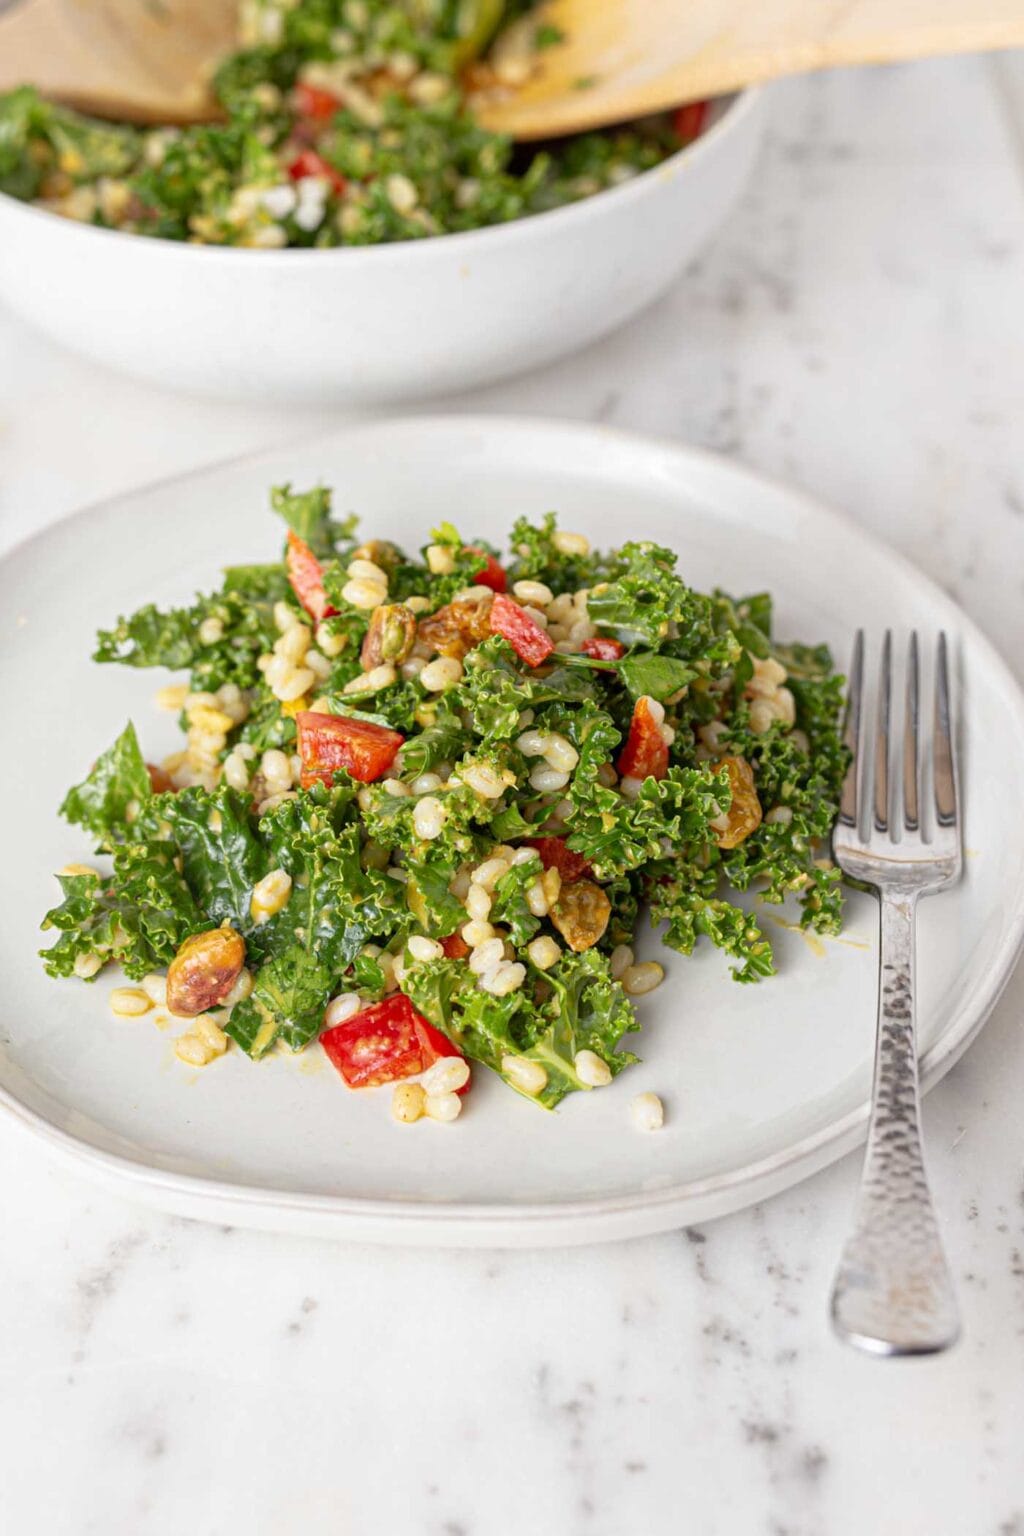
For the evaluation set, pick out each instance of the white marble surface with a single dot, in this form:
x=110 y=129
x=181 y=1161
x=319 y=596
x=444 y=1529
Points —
x=857 y=328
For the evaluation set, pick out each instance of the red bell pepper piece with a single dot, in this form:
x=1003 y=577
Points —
x=689 y=120
x=554 y=854
x=307 y=578
x=530 y=643
x=492 y=575
x=308 y=163
x=385 y=1043
x=454 y=946
x=603 y=650
x=645 y=754
x=329 y=742
x=313 y=101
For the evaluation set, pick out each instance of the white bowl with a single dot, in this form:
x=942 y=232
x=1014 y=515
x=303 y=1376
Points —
x=370 y=324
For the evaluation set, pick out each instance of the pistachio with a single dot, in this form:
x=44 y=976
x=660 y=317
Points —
x=204 y=970
x=390 y=637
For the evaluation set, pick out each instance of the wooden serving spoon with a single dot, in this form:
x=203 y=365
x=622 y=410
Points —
x=139 y=61
x=621 y=59
x=151 y=60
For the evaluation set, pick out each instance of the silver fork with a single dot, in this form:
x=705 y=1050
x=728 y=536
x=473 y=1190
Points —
x=893 y=1293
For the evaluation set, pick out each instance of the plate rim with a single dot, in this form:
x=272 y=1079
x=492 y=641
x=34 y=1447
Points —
x=557 y=1222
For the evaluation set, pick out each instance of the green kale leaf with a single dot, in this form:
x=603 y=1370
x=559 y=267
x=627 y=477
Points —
x=106 y=802
x=287 y=1001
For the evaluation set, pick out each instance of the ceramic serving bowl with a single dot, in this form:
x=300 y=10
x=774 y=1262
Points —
x=376 y=323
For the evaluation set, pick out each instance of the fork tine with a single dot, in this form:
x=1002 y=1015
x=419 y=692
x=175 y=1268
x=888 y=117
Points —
x=882 y=736
x=944 y=763
x=911 y=754
x=851 y=733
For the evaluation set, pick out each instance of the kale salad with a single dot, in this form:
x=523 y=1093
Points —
x=345 y=122
x=422 y=801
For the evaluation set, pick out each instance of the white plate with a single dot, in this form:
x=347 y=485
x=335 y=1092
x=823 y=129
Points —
x=762 y=1084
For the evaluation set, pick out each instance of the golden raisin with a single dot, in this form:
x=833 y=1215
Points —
x=457 y=627
x=204 y=970
x=581 y=914
x=390 y=637
x=744 y=813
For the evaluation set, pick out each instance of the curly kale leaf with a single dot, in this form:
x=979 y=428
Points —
x=267 y=725
x=617 y=835
x=396 y=706
x=389 y=820
x=495 y=690
x=155 y=638
x=510 y=907
x=687 y=902
x=589 y=1011
x=657 y=676
x=287 y=1002
x=536 y=557
x=222 y=858
x=115 y=790
x=748 y=618
x=138 y=917
x=266 y=583
x=336 y=905
x=585 y=1009
x=198 y=174
x=34 y=134
x=308 y=513
x=646 y=598
x=430 y=900
x=440 y=742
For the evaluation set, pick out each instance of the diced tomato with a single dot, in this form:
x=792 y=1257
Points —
x=307 y=578
x=308 y=163
x=645 y=754
x=492 y=575
x=455 y=947
x=689 y=120
x=435 y=1045
x=159 y=780
x=328 y=742
x=313 y=101
x=530 y=643
x=385 y=1043
x=554 y=854
x=603 y=650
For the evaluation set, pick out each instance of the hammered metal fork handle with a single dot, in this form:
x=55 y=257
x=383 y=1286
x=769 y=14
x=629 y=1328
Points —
x=894 y=1293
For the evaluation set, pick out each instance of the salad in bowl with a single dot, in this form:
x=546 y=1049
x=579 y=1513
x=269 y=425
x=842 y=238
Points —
x=344 y=122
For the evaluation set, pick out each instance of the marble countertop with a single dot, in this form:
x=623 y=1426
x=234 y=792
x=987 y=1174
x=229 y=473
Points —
x=856 y=328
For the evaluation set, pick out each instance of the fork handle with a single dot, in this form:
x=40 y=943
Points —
x=893 y=1293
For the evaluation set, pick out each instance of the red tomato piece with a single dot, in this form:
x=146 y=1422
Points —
x=689 y=120
x=436 y=1045
x=313 y=101
x=385 y=1043
x=554 y=854
x=308 y=163
x=645 y=754
x=307 y=578
x=603 y=650
x=492 y=575
x=328 y=742
x=455 y=947
x=530 y=643
x=159 y=779
x=379 y=1045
